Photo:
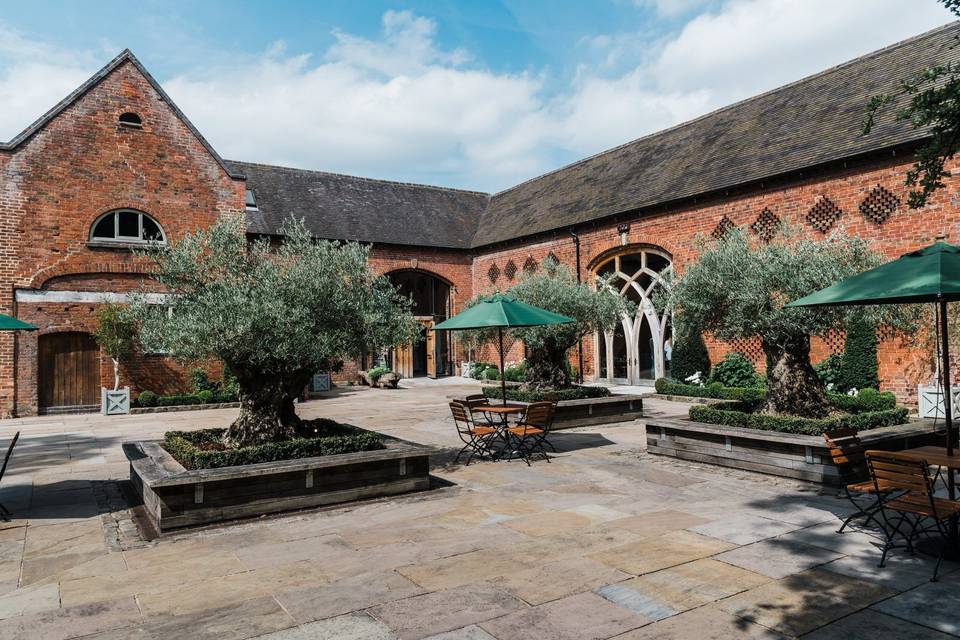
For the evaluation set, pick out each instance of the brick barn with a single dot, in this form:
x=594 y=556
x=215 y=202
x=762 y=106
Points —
x=116 y=163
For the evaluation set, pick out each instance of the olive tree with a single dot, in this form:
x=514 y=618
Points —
x=273 y=313
x=554 y=288
x=738 y=290
x=116 y=333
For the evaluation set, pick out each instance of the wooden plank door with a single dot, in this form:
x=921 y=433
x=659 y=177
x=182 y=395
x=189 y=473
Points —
x=431 y=348
x=69 y=370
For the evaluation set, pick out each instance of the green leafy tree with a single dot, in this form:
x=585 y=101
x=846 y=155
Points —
x=554 y=288
x=735 y=290
x=273 y=314
x=929 y=100
x=116 y=334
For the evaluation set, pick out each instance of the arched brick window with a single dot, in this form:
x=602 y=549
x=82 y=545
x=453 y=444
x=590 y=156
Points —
x=126 y=226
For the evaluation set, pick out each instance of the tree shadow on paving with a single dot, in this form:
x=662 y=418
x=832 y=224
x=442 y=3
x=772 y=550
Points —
x=444 y=459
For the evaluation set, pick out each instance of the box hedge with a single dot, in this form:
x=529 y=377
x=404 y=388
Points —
x=203 y=449
x=556 y=395
x=740 y=414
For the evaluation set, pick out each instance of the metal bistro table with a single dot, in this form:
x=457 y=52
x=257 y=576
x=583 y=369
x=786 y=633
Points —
x=938 y=456
x=504 y=411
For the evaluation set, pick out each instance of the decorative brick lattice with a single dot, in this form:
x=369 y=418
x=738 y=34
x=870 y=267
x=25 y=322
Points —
x=834 y=341
x=530 y=265
x=552 y=256
x=723 y=227
x=887 y=333
x=510 y=270
x=493 y=273
x=766 y=225
x=751 y=348
x=879 y=205
x=823 y=215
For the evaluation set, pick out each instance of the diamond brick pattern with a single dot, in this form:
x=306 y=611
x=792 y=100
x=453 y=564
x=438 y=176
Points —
x=552 y=256
x=493 y=273
x=766 y=225
x=510 y=270
x=824 y=214
x=879 y=205
x=751 y=348
x=530 y=265
x=723 y=227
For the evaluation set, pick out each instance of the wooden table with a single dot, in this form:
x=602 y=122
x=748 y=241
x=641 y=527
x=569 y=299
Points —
x=934 y=455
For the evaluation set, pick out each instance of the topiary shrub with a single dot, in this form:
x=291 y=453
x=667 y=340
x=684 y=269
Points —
x=204 y=449
x=147 y=399
x=741 y=414
x=859 y=368
x=735 y=370
x=516 y=372
x=491 y=373
x=571 y=393
x=673 y=388
x=206 y=396
x=374 y=373
x=689 y=354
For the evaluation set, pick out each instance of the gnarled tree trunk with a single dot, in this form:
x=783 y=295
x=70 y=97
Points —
x=793 y=386
x=267 y=412
x=546 y=368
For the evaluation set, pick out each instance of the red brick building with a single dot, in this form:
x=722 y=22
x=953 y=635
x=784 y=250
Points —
x=116 y=163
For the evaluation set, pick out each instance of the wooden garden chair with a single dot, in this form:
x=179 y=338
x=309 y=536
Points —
x=848 y=455
x=4 y=512
x=529 y=434
x=476 y=399
x=478 y=439
x=916 y=505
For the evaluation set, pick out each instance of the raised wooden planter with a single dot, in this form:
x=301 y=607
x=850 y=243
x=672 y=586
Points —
x=176 y=497
x=590 y=411
x=780 y=454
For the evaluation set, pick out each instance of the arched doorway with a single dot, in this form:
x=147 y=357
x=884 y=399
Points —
x=430 y=356
x=634 y=351
x=68 y=371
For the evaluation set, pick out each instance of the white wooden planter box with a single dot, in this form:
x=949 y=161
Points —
x=930 y=401
x=115 y=403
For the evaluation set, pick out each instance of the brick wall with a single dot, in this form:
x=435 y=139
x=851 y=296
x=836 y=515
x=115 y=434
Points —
x=80 y=165
x=678 y=229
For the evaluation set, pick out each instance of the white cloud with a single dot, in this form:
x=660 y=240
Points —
x=400 y=106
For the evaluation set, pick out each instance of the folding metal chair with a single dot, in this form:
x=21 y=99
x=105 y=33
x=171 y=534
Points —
x=4 y=512
x=916 y=505
x=529 y=435
x=848 y=456
x=478 y=439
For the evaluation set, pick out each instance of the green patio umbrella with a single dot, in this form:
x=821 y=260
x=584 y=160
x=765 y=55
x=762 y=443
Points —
x=9 y=323
x=931 y=274
x=502 y=312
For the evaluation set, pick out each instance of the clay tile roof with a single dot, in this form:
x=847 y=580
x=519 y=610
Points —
x=336 y=206
x=807 y=123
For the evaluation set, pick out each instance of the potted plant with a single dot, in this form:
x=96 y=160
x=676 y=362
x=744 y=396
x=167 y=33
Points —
x=116 y=334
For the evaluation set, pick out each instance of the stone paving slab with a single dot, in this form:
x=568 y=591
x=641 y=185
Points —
x=241 y=620
x=581 y=617
x=472 y=632
x=655 y=523
x=653 y=554
x=744 y=530
x=865 y=625
x=558 y=579
x=432 y=613
x=935 y=605
x=805 y=601
x=778 y=558
x=72 y=622
x=705 y=623
x=671 y=591
x=352 y=626
x=307 y=604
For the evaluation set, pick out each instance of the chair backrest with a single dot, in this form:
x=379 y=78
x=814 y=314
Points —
x=896 y=471
x=461 y=417
x=847 y=453
x=13 y=443
x=539 y=414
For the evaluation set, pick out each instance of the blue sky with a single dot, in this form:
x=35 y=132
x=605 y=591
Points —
x=467 y=94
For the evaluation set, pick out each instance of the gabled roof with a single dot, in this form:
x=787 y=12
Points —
x=125 y=56
x=340 y=207
x=811 y=122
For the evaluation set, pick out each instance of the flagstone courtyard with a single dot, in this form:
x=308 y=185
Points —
x=604 y=541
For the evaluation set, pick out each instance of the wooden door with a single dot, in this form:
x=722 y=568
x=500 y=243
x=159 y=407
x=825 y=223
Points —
x=403 y=360
x=69 y=370
x=431 y=349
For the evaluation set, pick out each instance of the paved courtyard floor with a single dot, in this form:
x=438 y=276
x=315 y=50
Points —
x=602 y=542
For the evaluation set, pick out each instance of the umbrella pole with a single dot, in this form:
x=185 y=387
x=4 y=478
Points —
x=947 y=408
x=503 y=378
